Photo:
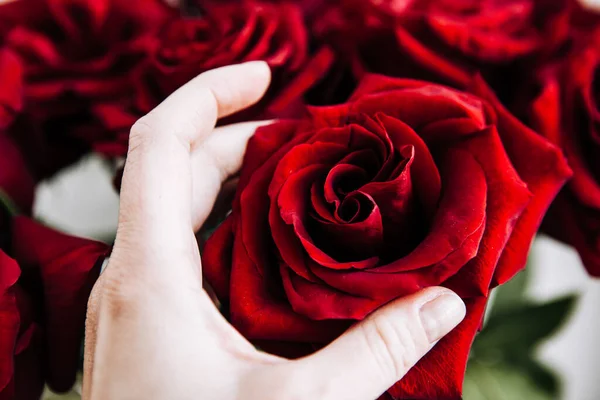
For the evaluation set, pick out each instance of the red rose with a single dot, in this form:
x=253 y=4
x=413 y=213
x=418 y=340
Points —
x=447 y=40
x=407 y=185
x=74 y=53
x=567 y=111
x=79 y=49
x=43 y=296
x=225 y=34
x=222 y=34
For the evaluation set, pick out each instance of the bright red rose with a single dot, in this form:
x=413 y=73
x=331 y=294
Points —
x=567 y=112
x=44 y=287
x=407 y=185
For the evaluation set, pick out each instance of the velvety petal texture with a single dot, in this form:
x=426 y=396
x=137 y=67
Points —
x=407 y=185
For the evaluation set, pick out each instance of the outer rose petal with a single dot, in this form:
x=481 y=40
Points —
x=29 y=352
x=322 y=302
x=68 y=268
x=260 y=314
x=216 y=259
x=507 y=197
x=544 y=178
x=440 y=374
x=267 y=141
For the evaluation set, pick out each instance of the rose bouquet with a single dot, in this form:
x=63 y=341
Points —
x=416 y=143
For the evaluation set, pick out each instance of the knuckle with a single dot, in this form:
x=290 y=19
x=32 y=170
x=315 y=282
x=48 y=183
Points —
x=393 y=345
x=119 y=302
x=143 y=126
x=116 y=294
x=141 y=132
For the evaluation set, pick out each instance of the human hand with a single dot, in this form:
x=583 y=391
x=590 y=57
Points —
x=152 y=330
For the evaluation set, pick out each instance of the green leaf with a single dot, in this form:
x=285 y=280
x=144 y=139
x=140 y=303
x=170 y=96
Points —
x=500 y=382
x=543 y=377
x=519 y=330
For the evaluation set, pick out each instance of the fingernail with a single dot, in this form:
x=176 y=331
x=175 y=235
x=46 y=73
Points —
x=440 y=315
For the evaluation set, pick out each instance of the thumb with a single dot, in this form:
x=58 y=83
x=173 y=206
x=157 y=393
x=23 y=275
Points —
x=377 y=352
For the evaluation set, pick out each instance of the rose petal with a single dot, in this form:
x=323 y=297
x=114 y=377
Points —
x=216 y=258
x=413 y=105
x=260 y=314
x=68 y=267
x=543 y=178
x=292 y=208
x=9 y=321
x=28 y=381
x=453 y=241
x=320 y=302
x=507 y=198
x=425 y=174
x=289 y=246
x=460 y=213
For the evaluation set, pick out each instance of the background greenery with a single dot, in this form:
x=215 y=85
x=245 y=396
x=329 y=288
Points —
x=503 y=363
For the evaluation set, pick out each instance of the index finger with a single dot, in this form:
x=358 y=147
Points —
x=156 y=193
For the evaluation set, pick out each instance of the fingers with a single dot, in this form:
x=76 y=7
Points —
x=376 y=353
x=156 y=194
x=215 y=160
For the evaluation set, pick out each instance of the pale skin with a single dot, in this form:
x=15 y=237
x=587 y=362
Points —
x=153 y=332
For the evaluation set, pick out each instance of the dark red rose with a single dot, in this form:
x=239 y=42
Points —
x=567 y=112
x=407 y=185
x=447 y=40
x=223 y=34
x=79 y=50
x=44 y=286
x=74 y=53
